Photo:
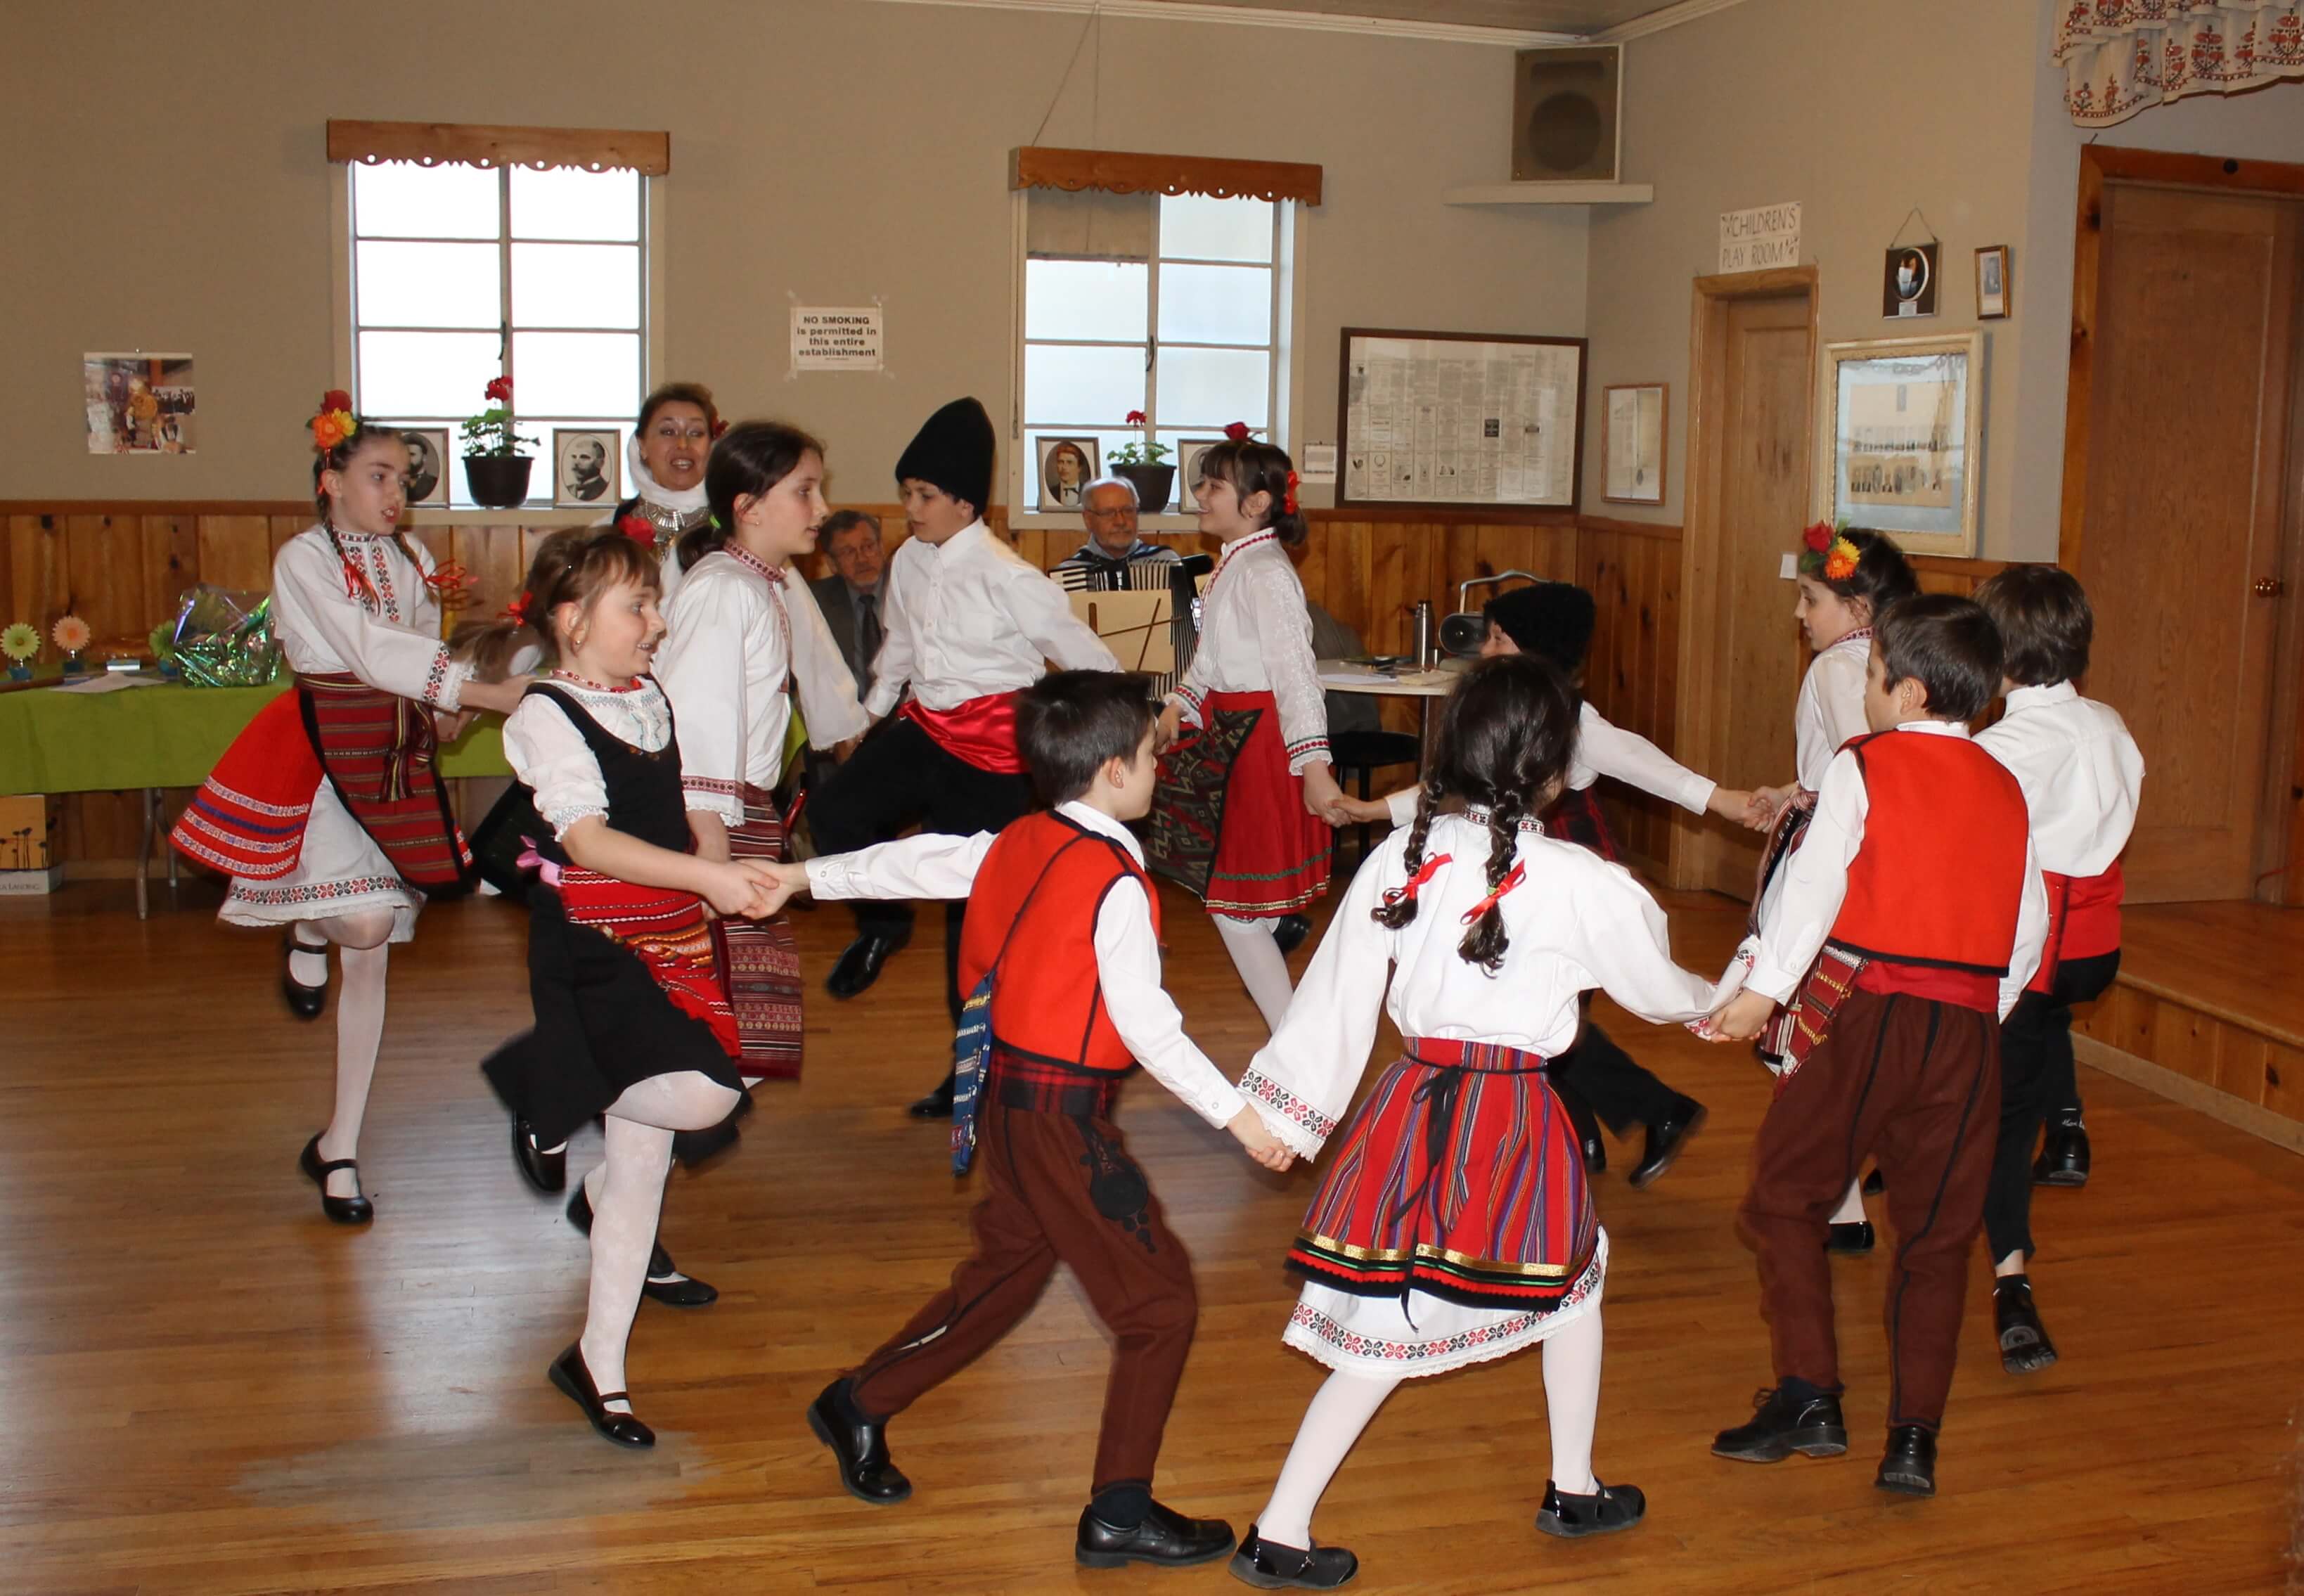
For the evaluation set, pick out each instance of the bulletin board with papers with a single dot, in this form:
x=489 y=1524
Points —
x=1460 y=420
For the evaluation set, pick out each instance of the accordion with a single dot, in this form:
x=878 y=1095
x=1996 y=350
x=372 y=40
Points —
x=1134 y=632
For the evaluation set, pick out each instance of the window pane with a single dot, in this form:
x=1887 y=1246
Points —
x=576 y=374
x=1085 y=298
x=426 y=374
x=426 y=284
x=1216 y=304
x=1199 y=228
x=1090 y=386
x=568 y=202
x=1214 y=387
x=402 y=200
x=575 y=285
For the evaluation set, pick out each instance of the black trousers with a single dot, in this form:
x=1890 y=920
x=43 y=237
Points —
x=2037 y=1078
x=1603 y=1074
x=899 y=778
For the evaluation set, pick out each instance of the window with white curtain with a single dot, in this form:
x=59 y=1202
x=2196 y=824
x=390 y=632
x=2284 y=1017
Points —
x=1174 y=305
x=462 y=274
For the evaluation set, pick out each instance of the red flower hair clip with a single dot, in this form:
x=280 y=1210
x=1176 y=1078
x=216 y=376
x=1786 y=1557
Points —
x=639 y=528
x=1289 y=503
x=1817 y=536
x=1239 y=432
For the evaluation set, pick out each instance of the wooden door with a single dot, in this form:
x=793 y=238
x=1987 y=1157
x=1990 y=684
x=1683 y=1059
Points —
x=1754 y=382
x=2188 y=412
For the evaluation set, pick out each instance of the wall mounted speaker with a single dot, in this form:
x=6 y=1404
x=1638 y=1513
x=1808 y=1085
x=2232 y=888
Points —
x=1565 y=121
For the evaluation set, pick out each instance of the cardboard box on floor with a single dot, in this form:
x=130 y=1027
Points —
x=28 y=844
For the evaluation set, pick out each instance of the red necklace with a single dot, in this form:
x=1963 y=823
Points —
x=634 y=685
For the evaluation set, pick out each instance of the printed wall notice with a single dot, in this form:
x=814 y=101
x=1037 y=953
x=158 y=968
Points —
x=836 y=338
x=1755 y=240
x=1455 y=421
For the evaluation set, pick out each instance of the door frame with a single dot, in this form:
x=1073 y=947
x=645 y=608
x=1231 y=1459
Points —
x=1700 y=718
x=2280 y=813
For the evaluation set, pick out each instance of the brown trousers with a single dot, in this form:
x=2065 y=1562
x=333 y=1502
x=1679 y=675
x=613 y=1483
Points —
x=1916 y=1085
x=1060 y=1188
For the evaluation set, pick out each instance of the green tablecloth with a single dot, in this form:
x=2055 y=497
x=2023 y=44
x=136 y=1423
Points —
x=52 y=741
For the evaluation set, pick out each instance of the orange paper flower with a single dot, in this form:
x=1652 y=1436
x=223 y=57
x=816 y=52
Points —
x=1840 y=564
x=72 y=634
x=331 y=428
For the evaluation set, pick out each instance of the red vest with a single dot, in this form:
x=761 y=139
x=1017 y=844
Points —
x=1939 y=876
x=1033 y=911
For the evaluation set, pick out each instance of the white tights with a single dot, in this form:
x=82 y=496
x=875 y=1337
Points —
x=1263 y=967
x=1344 y=1403
x=366 y=940
x=627 y=1194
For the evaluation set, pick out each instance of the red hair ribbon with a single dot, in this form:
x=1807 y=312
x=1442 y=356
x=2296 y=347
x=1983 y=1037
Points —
x=1424 y=873
x=1519 y=874
x=1289 y=504
x=451 y=585
x=516 y=612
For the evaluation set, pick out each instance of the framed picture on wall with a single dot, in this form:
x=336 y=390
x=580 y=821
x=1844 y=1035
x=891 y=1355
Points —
x=1904 y=439
x=1993 y=291
x=1067 y=465
x=427 y=457
x=1908 y=285
x=1431 y=420
x=586 y=464
x=1632 y=444
x=1188 y=451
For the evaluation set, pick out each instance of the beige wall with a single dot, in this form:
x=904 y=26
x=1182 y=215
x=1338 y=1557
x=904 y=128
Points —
x=165 y=188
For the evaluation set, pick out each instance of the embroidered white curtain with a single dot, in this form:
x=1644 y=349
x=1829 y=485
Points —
x=2121 y=55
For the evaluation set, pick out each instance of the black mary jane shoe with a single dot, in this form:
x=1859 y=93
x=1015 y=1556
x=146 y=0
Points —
x=1166 y=1538
x=343 y=1210
x=859 y=1445
x=1605 y=1511
x=1785 y=1423
x=2063 y=1160
x=2024 y=1344
x=547 y=1172
x=1269 y=1565
x=1875 y=1182
x=665 y=1283
x=1909 y=1466
x=1667 y=1139
x=1289 y=935
x=861 y=963
x=1853 y=1240
x=304 y=1002
x=936 y=1104
x=570 y=1374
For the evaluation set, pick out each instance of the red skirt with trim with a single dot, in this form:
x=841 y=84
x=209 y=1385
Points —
x=1228 y=822
x=1460 y=1177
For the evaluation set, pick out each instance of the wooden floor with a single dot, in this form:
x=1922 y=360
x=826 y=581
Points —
x=208 y=1388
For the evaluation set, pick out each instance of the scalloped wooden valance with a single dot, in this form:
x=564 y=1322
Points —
x=1118 y=171
x=471 y=144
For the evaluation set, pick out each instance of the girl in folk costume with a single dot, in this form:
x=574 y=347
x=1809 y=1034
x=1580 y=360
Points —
x=1245 y=804
x=326 y=811
x=1848 y=579
x=664 y=462
x=744 y=631
x=632 y=1018
x=1455 y=1223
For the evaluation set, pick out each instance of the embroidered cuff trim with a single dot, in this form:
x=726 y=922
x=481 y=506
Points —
x=1304 y=1128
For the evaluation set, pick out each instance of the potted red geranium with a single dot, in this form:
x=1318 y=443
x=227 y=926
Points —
x=493 y=466
x=1138 y=462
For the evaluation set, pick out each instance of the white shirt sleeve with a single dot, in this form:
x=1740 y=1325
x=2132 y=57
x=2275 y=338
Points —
x=932 y=865
x=893 y=667
x=826 y=688
x=1634 y=761
x=551 y=758
x=1816 y=881
x=2031 y=934
x=1128 y=965
x=1624 y=944
x=1284 y=637
x=701 y=669
x=1043 y=614
x=1401 y=805
x=309 y=597
x=1830 y=710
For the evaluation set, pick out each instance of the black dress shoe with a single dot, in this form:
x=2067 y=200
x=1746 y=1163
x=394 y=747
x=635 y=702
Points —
x=1785 y=1423
x=1596 y=1154
x=1910 y=1463
x=1665 y=1139
x=1165 y=1537
x=1269 y=1565
x=304 y=1002
x=343 y=1210
x=860 y=967
x=2063 y=1160
x=1853 y=1240
x=1289 y=935
x=1581 y=1118
x=859 y=1445
x=1875 y=1182
x=1606 y=1510
x=2024 y=1344
x=568 y=1373
x=547 y=1172
x=936 y=1104
x=665 y=1283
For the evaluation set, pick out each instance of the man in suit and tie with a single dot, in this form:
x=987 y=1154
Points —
x=850 y=597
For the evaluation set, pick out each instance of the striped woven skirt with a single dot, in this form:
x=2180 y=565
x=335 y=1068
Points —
x=761 y=958
x=1228 y=822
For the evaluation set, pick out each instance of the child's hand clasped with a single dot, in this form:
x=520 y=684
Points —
x=1262 y=1145
x=1742 y=1017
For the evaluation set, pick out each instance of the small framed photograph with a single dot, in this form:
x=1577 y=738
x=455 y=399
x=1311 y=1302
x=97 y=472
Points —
x=1632 y=445
x=587 y=467
x=1067 y=466
x=1903 y=439
x=1908 y=287
x=1188 y=451
x=428 y=467
x=1994 y=290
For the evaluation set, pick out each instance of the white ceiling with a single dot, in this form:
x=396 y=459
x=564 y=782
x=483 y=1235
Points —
x=1577 y=17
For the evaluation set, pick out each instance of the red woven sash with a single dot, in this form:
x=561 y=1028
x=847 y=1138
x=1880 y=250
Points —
x=666 y=931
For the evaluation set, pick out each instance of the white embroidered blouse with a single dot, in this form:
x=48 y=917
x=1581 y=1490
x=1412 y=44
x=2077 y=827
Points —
x=365 y=610
x=551 y=758
x=1829 y=709
x=1256 y=636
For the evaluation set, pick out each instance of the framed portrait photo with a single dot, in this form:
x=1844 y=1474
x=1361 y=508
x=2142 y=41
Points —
x=1188 y=451
x=428 y=465
x=1632 y=445
x=1907 y=286
x=1995 y=292
x=1904 y=439
x=1067 y=465
x=587 y=467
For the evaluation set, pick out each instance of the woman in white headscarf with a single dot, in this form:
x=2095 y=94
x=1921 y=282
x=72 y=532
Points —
x=664 y=462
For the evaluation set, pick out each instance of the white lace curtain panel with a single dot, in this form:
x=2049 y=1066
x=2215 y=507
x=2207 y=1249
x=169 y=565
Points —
x=2120 y=56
